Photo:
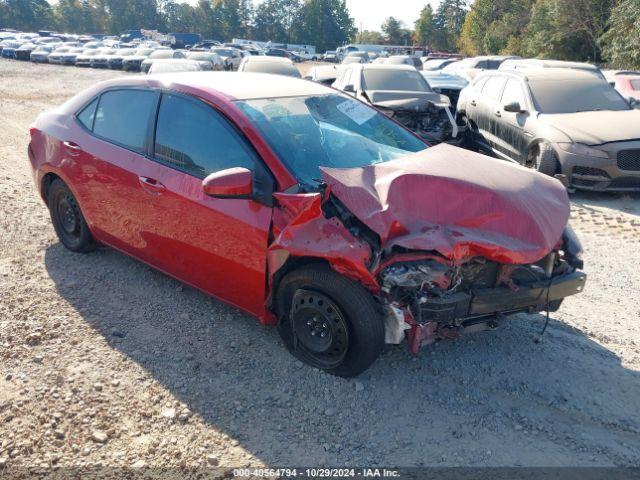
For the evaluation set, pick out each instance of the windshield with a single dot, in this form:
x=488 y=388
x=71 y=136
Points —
x=327 y=130
x=223 y=52
x=397 y=80
x=575 y=95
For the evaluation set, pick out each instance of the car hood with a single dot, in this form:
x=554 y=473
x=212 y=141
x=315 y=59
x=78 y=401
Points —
x=134 y=58
x=402 y=100
x=596 y=128
x=458 y=203
x=444 y=80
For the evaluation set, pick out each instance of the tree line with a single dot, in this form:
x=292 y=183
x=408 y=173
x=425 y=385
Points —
x=596 y=30
x=324 y=23
x=600 y=31
x=606 y=31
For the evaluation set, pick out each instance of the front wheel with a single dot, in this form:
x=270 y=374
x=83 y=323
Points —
x=67 y=219
x=546 y=160
x=329 y=321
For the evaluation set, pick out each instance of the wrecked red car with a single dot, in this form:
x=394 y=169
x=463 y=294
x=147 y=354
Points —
x=306 y=208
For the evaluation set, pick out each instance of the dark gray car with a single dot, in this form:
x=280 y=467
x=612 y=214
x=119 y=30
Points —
x=557 y=121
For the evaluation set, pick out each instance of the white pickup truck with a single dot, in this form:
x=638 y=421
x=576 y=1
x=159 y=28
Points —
x=307 y=55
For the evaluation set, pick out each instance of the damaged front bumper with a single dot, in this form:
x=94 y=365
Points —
x=448 y=317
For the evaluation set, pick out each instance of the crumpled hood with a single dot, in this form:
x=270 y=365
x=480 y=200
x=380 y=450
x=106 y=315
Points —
x=596 y=128
x=456 y=202
x=401 y=100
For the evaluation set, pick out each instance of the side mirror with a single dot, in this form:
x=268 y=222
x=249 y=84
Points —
x=513 y=107
x=234 y=182
x=349 y=89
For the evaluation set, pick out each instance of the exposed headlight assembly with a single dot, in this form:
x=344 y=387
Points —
x=582 y=149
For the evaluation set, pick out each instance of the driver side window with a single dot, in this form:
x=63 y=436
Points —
x=194 y=138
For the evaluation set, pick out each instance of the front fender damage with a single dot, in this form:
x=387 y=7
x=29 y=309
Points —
x=442 y=255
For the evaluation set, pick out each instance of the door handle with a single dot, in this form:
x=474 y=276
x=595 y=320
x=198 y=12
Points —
x=473 y=103
x=73 y=148
x=498 y=113
x=151 y=185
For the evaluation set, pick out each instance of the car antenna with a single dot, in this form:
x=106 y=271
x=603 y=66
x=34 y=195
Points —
x=546 y=322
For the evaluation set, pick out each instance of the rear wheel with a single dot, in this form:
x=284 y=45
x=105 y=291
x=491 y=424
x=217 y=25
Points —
x=546 y=160
x=67 y=219
x=329 y=321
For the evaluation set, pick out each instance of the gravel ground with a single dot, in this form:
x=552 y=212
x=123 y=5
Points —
x=105 y=361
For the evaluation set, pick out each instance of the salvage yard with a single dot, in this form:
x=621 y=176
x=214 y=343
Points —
x=105 y=361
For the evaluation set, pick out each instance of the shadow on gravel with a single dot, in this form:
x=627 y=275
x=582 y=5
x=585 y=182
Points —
x=495 y=398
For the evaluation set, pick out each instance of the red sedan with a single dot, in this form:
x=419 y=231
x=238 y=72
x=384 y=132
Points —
x=306 y=208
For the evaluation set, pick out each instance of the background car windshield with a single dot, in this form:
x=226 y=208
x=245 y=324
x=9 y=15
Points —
x=400 y=80
x=327 y=130
x=223 y=52
x=570 y=96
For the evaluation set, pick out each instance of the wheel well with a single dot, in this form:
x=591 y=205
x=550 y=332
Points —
x=532 y=152
x=47 y=180
x=292 y=263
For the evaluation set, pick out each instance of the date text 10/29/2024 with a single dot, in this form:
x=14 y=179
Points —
x=315 y=473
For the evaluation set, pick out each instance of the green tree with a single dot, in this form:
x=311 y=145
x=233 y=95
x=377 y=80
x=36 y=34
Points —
x=133 y=14
x=28 y=15
x=180 y=17
x=395 y=32
x=586 y=19
x=425 y=27
x=277 y=20
x=622 y=41
x=325 y=24
x=494 y=26
x=371 y=37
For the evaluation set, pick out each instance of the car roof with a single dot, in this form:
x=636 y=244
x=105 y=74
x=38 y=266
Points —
x=233 y=85
x=554 y=74
x=386 y=66
x=547 y=63
x=267 y=59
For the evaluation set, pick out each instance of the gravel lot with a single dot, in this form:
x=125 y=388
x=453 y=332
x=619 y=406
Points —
x=105 y=361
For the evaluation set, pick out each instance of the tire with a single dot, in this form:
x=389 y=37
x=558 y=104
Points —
x=339 y=302
x=546 y=160
x=67 y=219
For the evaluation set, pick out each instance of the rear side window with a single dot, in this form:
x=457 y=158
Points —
x=123 y=116
x=493 y=88
x=194 y=138
x=86 y=116
x=635 y=84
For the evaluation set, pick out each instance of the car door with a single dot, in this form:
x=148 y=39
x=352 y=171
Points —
x=218 y=245
x=110 y=144
x=487 y=107
x=510 y=138
x=472 y=95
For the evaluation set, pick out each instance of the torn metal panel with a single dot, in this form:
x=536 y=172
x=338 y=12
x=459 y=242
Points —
x=301 y=229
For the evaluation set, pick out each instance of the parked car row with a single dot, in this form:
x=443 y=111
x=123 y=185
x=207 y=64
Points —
x=566 y=119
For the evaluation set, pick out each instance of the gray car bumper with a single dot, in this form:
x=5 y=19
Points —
x=620 y=172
